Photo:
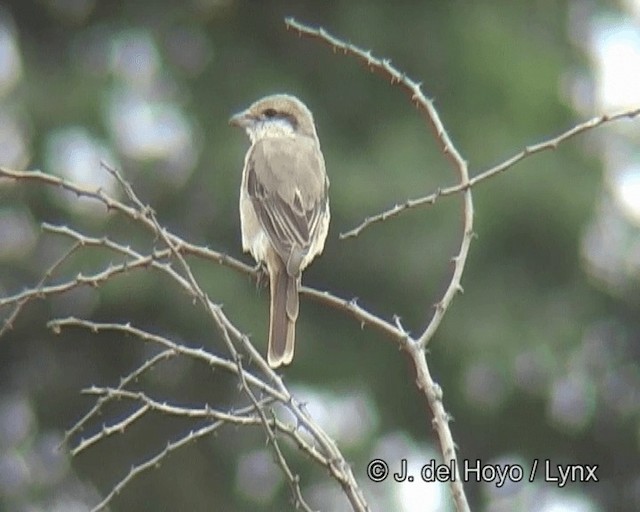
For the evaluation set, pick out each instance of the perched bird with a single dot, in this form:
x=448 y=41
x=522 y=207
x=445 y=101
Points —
x=284 y=206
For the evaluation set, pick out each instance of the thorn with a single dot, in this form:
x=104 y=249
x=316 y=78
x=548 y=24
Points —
x=438 y=391
x=397 y=321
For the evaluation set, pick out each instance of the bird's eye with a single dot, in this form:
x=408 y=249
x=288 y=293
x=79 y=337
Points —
x=269 y=112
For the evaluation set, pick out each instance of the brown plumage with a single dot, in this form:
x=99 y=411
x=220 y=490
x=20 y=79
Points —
x=284 y=206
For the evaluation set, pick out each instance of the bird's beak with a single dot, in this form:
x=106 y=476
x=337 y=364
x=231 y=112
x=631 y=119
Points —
x=241 y=119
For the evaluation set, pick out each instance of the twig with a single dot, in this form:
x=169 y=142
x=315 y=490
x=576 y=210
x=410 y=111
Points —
x=134 y=214
x=179 y=244
x=147 y=404
x=349 y=484
x=547 y=145
x=328 y=455
x=26 y=297
x=197 y=354
x=156 y=460
x=101 y=401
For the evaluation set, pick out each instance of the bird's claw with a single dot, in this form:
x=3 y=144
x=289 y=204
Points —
x=262 y=275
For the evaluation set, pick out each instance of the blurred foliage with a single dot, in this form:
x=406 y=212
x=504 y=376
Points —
x=534 y=360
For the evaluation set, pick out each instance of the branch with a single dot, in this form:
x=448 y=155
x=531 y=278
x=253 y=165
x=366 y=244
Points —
x=324 y=452
x=416 y=348
x=101 y=401
x=139 y=216
x=324 y=449
x=197 y=354
x=237 y=417
x=156 y=460
x=333 y=459
x=426 y=108
x=178 y=245
x=23 y=299
x=546 y=145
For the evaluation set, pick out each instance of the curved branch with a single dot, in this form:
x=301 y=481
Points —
x=416 y=348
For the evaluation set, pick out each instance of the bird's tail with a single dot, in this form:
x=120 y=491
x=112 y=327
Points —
x=283 y=315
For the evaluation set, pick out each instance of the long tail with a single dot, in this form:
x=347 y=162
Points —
x=283 y=315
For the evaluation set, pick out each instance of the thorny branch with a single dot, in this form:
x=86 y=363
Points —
x=265 y=382
x=547 y=145
x=261 y=387
x=416 y=347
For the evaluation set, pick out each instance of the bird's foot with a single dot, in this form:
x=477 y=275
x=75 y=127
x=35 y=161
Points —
x=262 y=275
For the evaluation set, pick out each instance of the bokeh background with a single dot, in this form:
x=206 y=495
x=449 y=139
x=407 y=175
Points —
x=540 y=358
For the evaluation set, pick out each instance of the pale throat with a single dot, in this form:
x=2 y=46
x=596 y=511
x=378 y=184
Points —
x=270 y=128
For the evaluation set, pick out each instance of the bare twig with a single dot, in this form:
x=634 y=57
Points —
x=155 y=259
x=102 y=400
x=134 y=214
x=345 y=477
x=547 y=145
x=197 y=354
x=294 y=480
x=240 y=417
x=156 y=460
x=329 y=455
x=326 y=451
x=19 y=303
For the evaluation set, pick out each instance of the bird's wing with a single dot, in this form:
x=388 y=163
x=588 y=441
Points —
x=287 y=184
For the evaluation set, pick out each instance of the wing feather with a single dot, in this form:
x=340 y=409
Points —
x=287 y=184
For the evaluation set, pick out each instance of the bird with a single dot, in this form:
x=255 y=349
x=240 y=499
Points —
x=284 y=206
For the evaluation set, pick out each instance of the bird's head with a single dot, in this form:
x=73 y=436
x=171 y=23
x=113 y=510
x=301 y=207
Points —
x=275 y=115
